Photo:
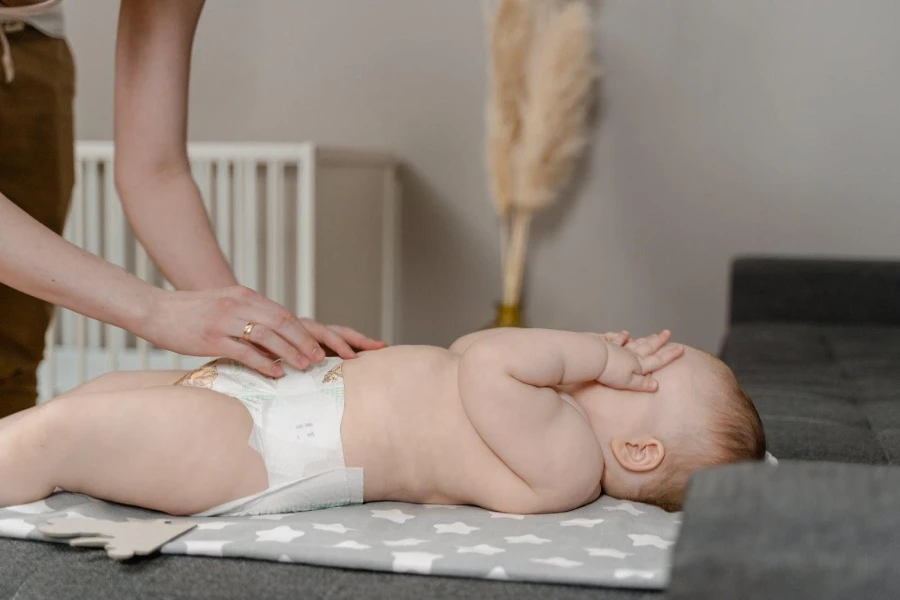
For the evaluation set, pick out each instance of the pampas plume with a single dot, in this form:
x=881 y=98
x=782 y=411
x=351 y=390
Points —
x=511 y=30
x=560 y=77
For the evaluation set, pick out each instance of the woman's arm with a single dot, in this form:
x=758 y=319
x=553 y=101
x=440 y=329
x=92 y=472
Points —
x=153 y=175
x=38 y=262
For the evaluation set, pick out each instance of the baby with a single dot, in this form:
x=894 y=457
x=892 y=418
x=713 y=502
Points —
x=512 y=420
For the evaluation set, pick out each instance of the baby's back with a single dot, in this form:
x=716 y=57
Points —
x=405 y=425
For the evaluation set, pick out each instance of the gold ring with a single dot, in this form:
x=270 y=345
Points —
x=247 y=331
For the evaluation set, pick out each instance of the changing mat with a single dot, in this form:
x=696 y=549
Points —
x=608 y=543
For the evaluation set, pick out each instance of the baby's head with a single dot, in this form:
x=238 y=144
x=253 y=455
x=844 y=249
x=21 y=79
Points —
x=652 y=443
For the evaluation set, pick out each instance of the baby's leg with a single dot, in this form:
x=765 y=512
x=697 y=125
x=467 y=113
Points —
x=110 y=382
x=179 y=450
x=119 y=381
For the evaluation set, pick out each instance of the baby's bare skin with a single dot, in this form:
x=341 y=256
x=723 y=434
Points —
x=481 y=423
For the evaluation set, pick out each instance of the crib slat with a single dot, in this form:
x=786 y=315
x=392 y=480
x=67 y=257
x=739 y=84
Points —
x=80 y=320
x=305 y=236
x=200 y=169
x=92 y=217
x=223 y=208
x=246 y=225
x=47 y=391
x=114 y=252
x=275 y=230
x=142 y=266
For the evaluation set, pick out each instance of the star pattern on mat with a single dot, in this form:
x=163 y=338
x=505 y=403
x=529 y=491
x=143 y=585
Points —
x=284 y=534
x=213 y=525
x=581 y=522
x=497 y=573
x=404 y=542
x=497 y=515
x=35 y=508
x=395 y=515
x=526 y=539
x=484 y=549
x=205 y=547
x=414 y=562
x=352 y=545
x=457 y=527
x=607 y=552
x=626 y=507
x=332 y=527
x=17 y=528
x=558 y=561
x=640 y=539
x=633 y=574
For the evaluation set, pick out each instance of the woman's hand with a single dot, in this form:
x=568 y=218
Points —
x=212 y=323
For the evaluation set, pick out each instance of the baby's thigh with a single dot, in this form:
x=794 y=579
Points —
x=121 y=381
x=177 y=449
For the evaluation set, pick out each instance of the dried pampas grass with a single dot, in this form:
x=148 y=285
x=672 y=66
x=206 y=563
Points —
x=541 y=95
x=511 y=31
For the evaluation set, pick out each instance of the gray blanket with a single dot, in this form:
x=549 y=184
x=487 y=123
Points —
x=608 y=543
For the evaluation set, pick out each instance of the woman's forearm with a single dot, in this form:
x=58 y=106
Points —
x=168 y=217
x=36 y=261
x=161 y=200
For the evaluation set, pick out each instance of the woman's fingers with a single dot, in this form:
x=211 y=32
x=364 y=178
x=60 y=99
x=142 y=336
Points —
x=287 y=325
x=330 y=339
x=271 y=342
x=357 y=339
x=247 y=354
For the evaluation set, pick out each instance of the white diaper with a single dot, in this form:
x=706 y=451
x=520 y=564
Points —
x=296 y=430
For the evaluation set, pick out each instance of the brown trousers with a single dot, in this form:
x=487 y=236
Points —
x=37 y=172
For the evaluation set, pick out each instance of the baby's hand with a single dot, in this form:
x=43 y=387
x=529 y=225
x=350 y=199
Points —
x=628 y=366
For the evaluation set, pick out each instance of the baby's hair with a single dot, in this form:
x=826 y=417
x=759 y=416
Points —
x=735 y=434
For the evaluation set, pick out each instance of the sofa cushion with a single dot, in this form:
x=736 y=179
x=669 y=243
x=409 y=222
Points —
x=824 y=392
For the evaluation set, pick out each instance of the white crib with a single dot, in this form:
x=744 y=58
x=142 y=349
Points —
x=313 y=228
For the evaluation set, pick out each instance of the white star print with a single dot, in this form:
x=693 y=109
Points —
x=332 y=527
x=395 y=515
x=268 y=517
x=457 y=527
x=581 y=522
x=352 y=545
x=649 y=540
x=630 y=573
x=16 y=528
x=497 y=573
x=496 y=515
x=205 y=547
x=558 y=561
x=214 y=525
x=35 y=508
x=283 y=534
x=625 y=507
x=485 y=549
x=526 y=539
x=414 y=562
x=404 y=542
x=607 y=552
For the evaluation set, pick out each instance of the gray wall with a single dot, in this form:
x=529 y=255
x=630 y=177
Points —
x=727 y=127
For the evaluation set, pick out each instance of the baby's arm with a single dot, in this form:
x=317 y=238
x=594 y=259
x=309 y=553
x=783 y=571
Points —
x=462 y=344
x=507 y=385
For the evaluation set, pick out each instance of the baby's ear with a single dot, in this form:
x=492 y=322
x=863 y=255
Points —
x=638 y=455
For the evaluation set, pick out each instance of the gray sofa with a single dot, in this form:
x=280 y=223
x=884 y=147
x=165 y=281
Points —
x=816 y=345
